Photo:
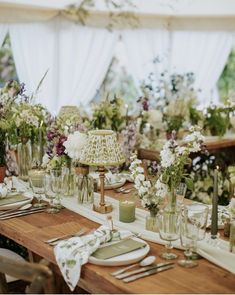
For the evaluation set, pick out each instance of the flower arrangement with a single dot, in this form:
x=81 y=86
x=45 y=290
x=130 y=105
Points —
x=55 y=156
x=151 y=193
x=74 y=145
x=174 y=158
x=217 y=119
x=109 y=114
x=171 y=171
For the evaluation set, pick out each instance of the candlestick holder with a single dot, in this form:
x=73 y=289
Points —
x=102 y=150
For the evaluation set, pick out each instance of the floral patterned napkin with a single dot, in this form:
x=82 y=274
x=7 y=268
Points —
x=71 y=254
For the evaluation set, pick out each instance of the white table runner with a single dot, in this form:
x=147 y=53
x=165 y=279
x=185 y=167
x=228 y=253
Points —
x=219 y=254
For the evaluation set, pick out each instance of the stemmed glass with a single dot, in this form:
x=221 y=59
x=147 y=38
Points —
x=187 y=243
x=56 y=186
x=194 y=222
x=180 y=194
x=36 y=183
x=169 y=230
x=49 y=195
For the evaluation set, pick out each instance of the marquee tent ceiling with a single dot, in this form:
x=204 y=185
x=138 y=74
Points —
x=179 y=14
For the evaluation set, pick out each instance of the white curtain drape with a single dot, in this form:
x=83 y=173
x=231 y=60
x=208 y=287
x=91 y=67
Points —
x=3 y=32
x=76 y=57
x=203 y=53
x=143 y=47
x=85 y=54
x=35 y=51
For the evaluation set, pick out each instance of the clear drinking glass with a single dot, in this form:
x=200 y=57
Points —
x=56 y=186
x=180 y=194
x=187 y=243
x=169 y=230
x=36 y=177
x=49 y=195
x=195 y=221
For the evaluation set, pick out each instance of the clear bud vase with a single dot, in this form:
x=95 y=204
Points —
x=151 y=221
x=68 y=182
x=24 y=156
x=84 y=185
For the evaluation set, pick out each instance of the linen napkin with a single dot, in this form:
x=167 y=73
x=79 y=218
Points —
x=71 y=254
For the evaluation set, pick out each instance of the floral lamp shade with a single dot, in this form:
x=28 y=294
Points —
x=102 y=149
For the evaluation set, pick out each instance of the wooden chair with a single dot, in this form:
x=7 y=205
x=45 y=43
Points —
x=147 y=155
x=38 y=274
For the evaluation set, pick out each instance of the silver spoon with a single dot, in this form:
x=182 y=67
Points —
x=24 y=207
x=145 y=262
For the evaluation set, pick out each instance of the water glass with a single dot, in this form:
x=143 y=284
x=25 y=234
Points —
x=56 y=186
x=36 y=177
x=195 y=220
x=50 y=195
x=169 y=230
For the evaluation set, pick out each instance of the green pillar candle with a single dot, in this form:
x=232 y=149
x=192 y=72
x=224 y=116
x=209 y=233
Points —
x=127 y=211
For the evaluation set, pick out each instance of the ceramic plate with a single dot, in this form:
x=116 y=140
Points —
x=117 y=181
x=123 y=259
x=16 y=205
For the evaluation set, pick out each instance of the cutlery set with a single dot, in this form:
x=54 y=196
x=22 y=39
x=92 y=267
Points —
x=56 y=240
x=130 y=276
x=20 y=212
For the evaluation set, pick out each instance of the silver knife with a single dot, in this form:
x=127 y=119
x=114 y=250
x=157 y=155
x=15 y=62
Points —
x=147 y=273
x=23 y=213
x=16 y=212
x=142 y=269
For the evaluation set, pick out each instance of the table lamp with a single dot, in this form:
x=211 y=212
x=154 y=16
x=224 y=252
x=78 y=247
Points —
x=102 y=150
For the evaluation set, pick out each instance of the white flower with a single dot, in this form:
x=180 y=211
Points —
x=167 y=157
x=74 y=144
x=140 y=177
x=232 y=206
x=161 y=189
x=45 y=160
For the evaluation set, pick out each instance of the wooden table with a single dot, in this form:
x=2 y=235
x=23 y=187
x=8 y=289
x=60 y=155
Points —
x=30 y=231
x=212 y=146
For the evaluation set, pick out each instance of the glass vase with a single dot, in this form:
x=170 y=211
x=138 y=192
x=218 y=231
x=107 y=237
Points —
x=24 y=158
x=151 y=222
x=68 y=182
x=171 y=201
x=84 y=185
x=232 y=235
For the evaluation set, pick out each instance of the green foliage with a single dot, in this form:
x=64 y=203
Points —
x=173 y=122
x=195 y=116
x=108 y=115
x=226 y=83
x=217 y=120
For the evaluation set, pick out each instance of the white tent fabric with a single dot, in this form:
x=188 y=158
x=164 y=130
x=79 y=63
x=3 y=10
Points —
x=76 y=57
x=203 y=53
x=3 y=32
x=35 y=51
x=143 y=47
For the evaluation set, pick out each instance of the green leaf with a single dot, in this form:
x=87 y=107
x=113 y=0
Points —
x=189 y=183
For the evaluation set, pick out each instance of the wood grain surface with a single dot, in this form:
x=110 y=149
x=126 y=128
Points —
x=31 y=231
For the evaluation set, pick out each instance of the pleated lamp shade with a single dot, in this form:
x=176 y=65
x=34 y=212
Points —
x=102 y=149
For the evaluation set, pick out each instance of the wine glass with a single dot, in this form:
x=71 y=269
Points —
x=195 y=219
x=169 y=230
x=56 y=186
x=187 y=243
x=49 y=195
x=36 y=183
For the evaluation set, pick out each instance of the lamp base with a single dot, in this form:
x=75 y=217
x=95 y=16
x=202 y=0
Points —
x=105 y=208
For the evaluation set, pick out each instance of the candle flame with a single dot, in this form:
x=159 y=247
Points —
x=217 y=167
